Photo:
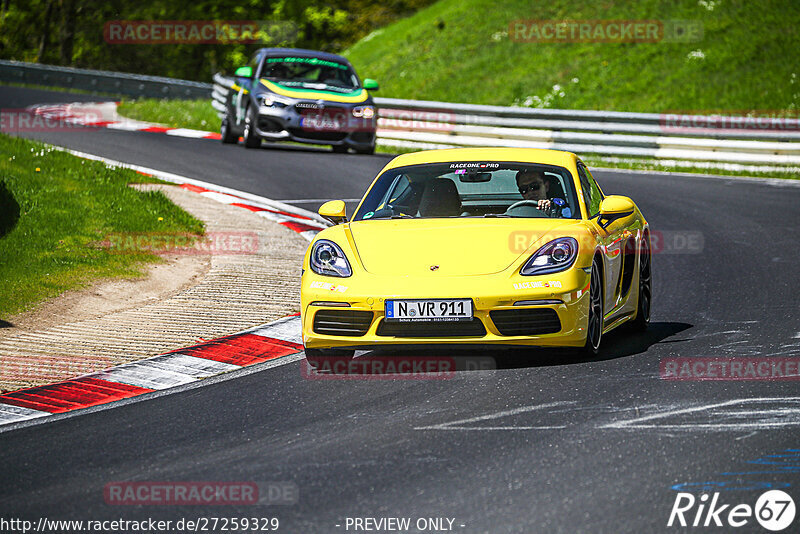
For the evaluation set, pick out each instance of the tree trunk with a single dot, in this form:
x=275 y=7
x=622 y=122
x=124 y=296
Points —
x=48 y=12
x=67 y=32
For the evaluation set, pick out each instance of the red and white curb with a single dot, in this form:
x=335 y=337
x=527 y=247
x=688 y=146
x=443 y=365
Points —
x=304 y=222
x=104 y=115
x=305 y=226
x=271 y=341
x=275 y=340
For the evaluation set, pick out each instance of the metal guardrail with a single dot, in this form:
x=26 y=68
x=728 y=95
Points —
x=100 y=81
x=444 y=124
x=427 y=124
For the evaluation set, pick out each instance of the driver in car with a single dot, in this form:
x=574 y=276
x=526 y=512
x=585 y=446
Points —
x=534 y=186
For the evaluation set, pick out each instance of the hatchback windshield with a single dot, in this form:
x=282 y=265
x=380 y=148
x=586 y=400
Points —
x=309 y=72
x=472 y=189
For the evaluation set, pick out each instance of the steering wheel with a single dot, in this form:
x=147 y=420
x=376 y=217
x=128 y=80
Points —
x=528 y=213
x=534 y=203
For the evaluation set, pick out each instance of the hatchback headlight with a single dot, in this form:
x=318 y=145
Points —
x=557 y=255
x=329 y=260
x=366 y=112
x=268 y=101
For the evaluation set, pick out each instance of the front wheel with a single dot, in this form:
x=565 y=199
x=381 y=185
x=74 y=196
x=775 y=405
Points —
x=594 y=328
x=369 y=150
x=251 y=139
x=226 y=136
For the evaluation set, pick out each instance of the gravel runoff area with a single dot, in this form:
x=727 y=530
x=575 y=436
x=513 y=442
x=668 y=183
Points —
x=117 y=322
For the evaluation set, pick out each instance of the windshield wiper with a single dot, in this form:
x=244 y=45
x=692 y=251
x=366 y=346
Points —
x=402 y=216
x=497 y=215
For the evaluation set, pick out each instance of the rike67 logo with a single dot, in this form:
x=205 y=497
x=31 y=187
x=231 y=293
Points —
x=774 y=510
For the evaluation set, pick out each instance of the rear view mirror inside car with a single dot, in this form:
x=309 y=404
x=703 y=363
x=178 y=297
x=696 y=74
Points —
x=472 y=176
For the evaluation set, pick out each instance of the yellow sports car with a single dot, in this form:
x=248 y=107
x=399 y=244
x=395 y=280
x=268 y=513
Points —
x=481 y=247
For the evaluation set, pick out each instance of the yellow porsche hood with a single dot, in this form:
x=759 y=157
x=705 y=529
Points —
x=451 y=247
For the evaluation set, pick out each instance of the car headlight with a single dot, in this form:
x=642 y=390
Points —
x=366 y=112
x=328 y=259
x=268 y=101
x=557 y=255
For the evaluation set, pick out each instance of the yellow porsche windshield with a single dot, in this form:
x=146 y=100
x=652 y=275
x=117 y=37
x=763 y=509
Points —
x=471 y=189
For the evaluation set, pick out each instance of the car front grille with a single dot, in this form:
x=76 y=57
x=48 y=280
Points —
x=526 y=321
x=309 y=133
x=473 y=328
x=342 y=322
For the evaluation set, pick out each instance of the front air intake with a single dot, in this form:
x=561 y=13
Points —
x=473 y=328
x=526 y=321
x=342 y=322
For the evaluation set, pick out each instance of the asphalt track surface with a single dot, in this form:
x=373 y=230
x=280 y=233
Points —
x=545 y=443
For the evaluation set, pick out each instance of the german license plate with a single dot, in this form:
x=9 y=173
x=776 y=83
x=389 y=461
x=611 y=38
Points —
x=429 y=310
x=323 y=121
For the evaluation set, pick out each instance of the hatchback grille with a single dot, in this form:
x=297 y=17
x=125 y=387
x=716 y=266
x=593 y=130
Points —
x=526 y=321
x=317 y=135
x=473 y=328
x=342 y=322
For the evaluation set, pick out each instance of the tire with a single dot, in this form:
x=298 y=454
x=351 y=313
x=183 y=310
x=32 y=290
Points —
x=317 y=357
x=594 y=327
x=642 y=319
x=368 y=150
x=226 y=136
x=340 y=149
x=251 y=139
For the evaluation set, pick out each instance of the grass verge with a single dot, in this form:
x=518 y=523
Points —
x=57 y=208
x=194 y=114
x=475 y=51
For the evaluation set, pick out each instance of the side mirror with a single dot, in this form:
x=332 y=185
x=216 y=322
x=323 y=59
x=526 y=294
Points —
x=370 y=84
x=614 y=207
x=334 y=211
x=244 y=72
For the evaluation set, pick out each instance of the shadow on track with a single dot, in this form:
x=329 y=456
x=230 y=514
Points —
x=388 y=361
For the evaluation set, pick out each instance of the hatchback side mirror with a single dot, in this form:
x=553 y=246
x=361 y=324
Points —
x=244 y=72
